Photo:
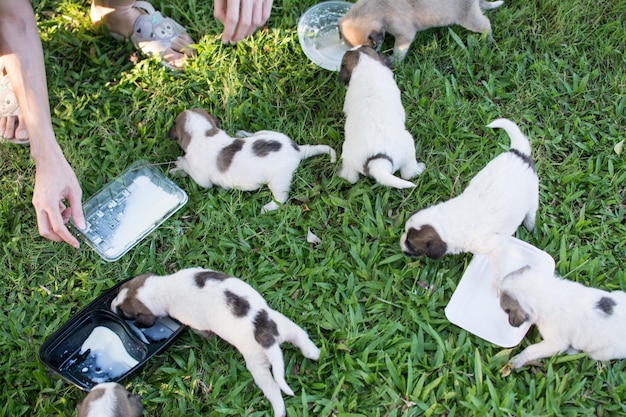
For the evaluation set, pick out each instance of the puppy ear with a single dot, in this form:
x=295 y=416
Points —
x=145 y=320
x=425 y=241
x=214 y=121
x=436 y=248
x=510 y=305
x=348 y=62
x=79 y=410
x=376 y=38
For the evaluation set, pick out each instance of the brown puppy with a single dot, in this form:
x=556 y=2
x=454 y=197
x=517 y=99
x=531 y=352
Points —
x=368 y=20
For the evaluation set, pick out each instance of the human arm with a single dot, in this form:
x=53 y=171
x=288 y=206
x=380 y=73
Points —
x=55 y=181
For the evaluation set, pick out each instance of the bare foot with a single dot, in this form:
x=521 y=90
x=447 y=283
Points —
x=13 y=129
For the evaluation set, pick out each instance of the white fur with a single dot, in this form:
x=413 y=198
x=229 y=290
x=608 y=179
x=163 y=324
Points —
x=247 y=171
x=567 y=316
x=206 y=309
x=497 y=200
x=375 y=124
x=109 y=400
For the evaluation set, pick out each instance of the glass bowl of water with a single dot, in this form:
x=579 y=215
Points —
x=318 y=32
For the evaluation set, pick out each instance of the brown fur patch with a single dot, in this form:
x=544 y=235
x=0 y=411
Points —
x=202 y=277
x=265 y=329
x=606 y=304
x=366 y=164
x=265 y=147
x=227 y=154
x=239 y=306
x=425 y=241
x=212 y=120
x=128 y=405
x=133 y=309
x=352 y=58
x=178 y=132
x=357 y=31
x=349 y=61
x=511 y=306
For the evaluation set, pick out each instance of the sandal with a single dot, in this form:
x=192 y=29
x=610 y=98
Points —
x=8 y=105
x=154 y=34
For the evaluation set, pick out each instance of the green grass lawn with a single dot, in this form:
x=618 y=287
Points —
x=558 y=68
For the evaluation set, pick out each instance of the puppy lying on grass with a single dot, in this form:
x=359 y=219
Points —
x=110 y=400
x=214 y=158
x=212 y=302
x=569 y=316
x=497 y=200
x=367 y=21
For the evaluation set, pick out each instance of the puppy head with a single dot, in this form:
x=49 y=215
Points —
x=352 y=58
x=361 y=30
x=423 y=240
x=129 y=306
x=111 y=400
x=192 y=123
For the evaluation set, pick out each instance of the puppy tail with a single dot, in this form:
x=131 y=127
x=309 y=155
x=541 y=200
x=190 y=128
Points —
x=380 y=170
x=518 y=140
x=307 y=151
x=487 y=5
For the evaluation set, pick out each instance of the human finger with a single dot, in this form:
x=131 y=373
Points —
x=76 y=208
x=246 y=25
x=231 y=20
x=52 y=225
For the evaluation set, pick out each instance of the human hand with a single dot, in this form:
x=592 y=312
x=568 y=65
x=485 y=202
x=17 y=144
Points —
x=56 y=184
x=241 y=17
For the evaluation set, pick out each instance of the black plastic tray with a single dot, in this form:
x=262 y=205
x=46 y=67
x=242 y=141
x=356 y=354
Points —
x=61 y=352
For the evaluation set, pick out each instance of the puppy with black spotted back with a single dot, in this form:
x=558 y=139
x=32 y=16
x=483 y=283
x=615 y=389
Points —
x=244 y=163
x=376 y=142
x=213 y=302
x=570 y=316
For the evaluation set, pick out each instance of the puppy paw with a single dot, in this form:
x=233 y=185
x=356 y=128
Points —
x=312 y=353
x=178 y=167
x=271 y=206
x=517 y=362
x=242 y=134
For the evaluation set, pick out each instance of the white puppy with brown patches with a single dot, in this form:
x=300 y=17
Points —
x=110 y=400
x=504 y=194
x=570 y=317
x=214 y=158
x=213 y=302
x=376 y=142
x=367 y=21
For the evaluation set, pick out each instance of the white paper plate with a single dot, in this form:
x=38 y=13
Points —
x=318 y=32
x=475 y=307
x=128 y=208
